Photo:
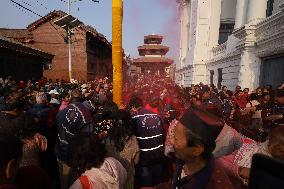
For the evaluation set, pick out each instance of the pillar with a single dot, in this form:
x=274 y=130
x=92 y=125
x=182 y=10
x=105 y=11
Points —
x=184 y=30
x=256 y=10
x=241 y=13
x=117 y=51
x=214 y=17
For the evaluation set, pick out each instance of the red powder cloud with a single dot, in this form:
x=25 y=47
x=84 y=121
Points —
x=171 y=28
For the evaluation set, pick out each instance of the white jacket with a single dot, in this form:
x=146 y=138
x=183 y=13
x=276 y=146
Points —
x=111 y=175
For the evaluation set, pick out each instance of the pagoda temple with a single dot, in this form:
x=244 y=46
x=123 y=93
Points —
x=152 y=58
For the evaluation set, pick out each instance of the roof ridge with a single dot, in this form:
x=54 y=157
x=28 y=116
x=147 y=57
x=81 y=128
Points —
x=45 y=18
x=13 y=28
x=61 y=13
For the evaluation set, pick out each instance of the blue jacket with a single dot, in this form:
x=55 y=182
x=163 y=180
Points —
x=149 y=133
x=75 y=118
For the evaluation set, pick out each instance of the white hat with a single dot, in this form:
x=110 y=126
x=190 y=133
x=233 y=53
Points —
x=53 y=92
x=84 y=86
x=54 y=101
x=84 y=91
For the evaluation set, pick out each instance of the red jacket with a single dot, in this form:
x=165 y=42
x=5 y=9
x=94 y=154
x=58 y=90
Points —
x=241 y=102
x=219 y=179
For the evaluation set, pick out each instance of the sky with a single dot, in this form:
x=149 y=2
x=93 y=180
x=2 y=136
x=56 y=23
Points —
x=140 y=18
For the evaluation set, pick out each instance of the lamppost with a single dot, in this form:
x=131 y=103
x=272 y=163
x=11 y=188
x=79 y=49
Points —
x=117 y=6
x=69 y=46
x=68 y=22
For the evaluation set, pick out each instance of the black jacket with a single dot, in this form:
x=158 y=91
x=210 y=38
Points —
x=75 y=118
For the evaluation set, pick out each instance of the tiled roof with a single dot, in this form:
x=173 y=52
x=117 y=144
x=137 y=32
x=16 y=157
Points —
x=94 y=32
x=145 y=59
x=59 y=13
x=20 y=47
x=21 y=35
x=153 y=36
x=146 y=46
x=45 y=19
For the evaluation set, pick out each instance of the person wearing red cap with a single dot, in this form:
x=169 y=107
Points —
x=194 y=142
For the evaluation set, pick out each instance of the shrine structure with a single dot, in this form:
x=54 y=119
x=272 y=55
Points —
x=152 y=58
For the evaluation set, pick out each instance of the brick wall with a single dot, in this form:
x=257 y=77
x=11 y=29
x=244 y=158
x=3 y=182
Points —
x=50 y=39
x=98 y=58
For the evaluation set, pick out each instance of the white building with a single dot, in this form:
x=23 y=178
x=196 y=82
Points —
x=231 y=42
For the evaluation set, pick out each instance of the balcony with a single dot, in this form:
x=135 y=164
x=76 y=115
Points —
x=218 y=50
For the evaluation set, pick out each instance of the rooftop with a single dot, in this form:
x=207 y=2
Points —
x=146 y=59
x=20 y=47
x=153 y=36
x=156 y=46
x=21 y=35
x=59 y=13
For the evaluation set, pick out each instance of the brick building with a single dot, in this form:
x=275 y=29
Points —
x=91 y=52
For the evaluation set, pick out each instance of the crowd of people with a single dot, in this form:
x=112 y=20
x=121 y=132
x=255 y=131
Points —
x=56 y=134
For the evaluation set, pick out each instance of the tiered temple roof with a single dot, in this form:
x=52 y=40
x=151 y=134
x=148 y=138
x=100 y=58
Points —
x=152 y=49
x=153 y=60
x=152 y=52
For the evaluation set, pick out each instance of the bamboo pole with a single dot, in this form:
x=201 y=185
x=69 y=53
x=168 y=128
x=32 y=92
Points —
x=117 y=51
